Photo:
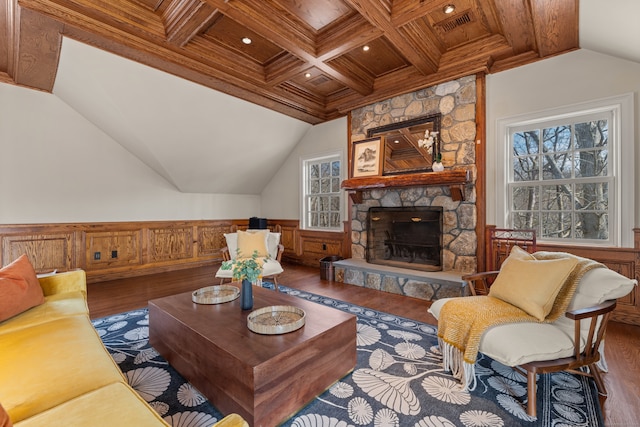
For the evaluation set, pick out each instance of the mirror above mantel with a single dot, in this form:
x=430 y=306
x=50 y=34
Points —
x=403 y=151
x=414 y=166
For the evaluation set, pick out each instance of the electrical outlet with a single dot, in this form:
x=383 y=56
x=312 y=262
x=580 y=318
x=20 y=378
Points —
x=96 y=256
x=114 y=254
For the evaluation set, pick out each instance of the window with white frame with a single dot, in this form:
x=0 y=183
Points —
x=565 y=173
x=322 y=197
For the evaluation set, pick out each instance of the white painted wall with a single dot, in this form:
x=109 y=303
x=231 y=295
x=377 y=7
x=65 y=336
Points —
x=563 y=80
x=281 y=197
x=55 y=166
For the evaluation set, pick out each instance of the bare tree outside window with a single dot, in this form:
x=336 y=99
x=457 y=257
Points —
x=560 y=179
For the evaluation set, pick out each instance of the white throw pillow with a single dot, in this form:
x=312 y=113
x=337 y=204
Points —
x=232 y=244
x=272 y=244
x=599 y=285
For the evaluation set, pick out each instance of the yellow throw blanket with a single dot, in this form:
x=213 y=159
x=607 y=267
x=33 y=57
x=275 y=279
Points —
x=463 y=321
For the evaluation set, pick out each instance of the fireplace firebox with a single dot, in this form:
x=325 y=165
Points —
x=407 y=237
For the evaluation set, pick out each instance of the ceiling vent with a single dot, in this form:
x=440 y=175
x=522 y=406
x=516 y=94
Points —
x=456 y=21
x=321 y=79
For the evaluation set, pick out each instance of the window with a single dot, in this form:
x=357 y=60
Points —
x=566 y=172
x=322 y=196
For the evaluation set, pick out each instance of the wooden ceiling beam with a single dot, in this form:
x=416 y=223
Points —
x=225 y=61
x=405 y=11
x=514 y=61
x=174 y=36
x=410 y=80
x=424 y=59
x=38 y=50
x=483 y=49
x=260 y=17
x=556 y=25
x=283 y=69
x=7 y=40
x=183 y=20
x=517 y=24
x=348 y=35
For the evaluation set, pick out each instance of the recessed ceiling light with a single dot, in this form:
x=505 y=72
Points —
x=448 y=9
x=365 y=48
x=397 y=141
x=246 y=40
x=307 y=75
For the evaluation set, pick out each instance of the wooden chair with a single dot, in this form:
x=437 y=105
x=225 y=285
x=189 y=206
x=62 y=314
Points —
x=272 y=267
x=598 y=318
x=227 y=257
x=501 y=240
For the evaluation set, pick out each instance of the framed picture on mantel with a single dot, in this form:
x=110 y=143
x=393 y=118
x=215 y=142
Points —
x=366 y=158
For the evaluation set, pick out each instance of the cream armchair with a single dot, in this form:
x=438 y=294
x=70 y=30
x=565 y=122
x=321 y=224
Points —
x=573 y=341
x=272 y=263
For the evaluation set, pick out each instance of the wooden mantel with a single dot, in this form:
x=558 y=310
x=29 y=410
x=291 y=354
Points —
x=454 y=178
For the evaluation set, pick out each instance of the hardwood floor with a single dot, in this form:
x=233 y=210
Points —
x=622 y=407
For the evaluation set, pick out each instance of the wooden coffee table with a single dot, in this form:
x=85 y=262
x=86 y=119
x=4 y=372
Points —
x=264 y=378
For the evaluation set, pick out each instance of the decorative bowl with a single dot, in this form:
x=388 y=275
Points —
x=215 y=294
x=276 y=319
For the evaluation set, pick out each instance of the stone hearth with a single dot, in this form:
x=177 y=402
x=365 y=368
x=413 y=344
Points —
x=427 y=285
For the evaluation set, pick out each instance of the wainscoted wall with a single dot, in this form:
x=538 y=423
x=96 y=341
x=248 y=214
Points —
x=111 y=250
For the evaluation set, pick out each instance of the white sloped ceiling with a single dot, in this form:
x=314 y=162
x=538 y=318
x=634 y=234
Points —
x=198 y=139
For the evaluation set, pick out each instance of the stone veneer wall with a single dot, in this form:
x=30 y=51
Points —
x=456 y=101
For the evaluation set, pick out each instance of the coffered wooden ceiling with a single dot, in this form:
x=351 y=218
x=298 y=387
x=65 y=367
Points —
x=306 y=58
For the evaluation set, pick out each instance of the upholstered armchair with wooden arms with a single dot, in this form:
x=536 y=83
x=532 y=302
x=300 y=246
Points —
x=270 y=252
x=596 y=316
x=574 y=342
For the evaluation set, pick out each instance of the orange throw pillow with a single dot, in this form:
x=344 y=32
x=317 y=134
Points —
x=5 y=421
x=19 y=288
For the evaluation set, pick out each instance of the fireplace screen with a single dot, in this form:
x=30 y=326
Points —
x=408 y=237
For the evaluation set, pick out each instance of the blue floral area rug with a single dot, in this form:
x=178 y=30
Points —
x=398 y=381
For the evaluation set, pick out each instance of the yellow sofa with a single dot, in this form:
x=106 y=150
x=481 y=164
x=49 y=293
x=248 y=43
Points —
x=55 y=371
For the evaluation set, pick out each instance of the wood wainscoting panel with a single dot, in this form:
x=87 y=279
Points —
x=167 y=244
x=47 y=252
x=315 y=245
x=288 y=238
x=108 y=249
x=126 y=249
x=307 y=247
x=211 y=239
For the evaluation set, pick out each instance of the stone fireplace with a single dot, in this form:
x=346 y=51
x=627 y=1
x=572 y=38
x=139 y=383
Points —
x=456 y=101
x=409 y=237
